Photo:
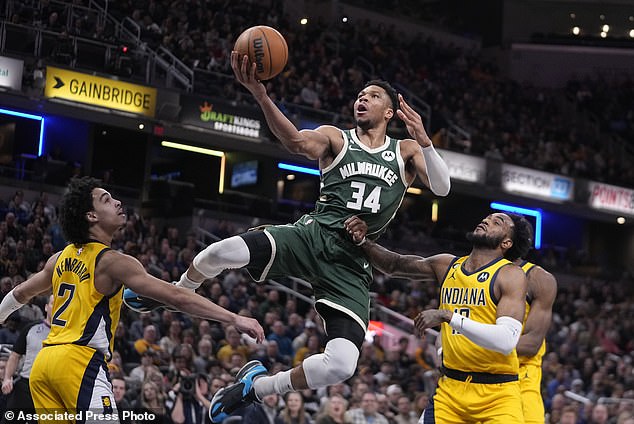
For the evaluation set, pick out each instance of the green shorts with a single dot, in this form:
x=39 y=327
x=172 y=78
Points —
x=337 y=269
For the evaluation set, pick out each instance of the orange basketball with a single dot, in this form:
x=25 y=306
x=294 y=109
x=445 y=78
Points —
x=266 y=47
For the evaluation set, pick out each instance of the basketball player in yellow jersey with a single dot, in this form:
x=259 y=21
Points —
x=70 y=373
x=540 y=296
x=482 y=303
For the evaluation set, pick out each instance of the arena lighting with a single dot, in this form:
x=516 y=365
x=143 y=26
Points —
x=576 y=30
x=605 y=28
x=434 y=211
x=524 y=211
x=620 y=220
x=303 y=21
x=296 y=168
x=202 y=150
x=194 y=149
x=632 y=33
x=29 y=116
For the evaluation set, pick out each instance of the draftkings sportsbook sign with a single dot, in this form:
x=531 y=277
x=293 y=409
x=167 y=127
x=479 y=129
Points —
x=219 y=116
x=98 y=91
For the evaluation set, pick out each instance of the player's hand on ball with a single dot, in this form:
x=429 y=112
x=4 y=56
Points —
x=245 y=74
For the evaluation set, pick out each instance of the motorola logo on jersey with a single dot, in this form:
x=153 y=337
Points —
x=483 y=276
x=388 y=155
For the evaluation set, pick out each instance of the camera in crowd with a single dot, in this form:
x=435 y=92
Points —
x=188 y=385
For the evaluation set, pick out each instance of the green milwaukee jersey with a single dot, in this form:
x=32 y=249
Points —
x=369 y=183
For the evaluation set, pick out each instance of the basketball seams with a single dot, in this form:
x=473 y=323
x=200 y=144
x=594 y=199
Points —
x=249 y=48
x=268 y=47
x=275 y=42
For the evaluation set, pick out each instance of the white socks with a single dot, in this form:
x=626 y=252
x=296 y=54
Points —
x=187 y=283
x=279 y=383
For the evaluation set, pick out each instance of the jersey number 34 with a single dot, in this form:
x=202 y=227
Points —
x=372 y=201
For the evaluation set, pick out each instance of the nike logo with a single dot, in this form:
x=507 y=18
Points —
x=365 y=265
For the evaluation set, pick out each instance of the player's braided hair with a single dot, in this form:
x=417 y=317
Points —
x=77 y=201
x=522 y=237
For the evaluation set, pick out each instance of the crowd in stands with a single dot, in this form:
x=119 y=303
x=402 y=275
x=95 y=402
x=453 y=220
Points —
x=515 y=122
x=171 y=364
x=507 y=120
x=588 y=374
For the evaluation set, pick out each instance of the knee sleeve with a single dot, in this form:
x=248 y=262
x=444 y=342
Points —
x=228 y=253
x=337 y=364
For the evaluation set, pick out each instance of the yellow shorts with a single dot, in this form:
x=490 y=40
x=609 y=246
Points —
x=71 y=380
x=532 y=402
x=456 y=402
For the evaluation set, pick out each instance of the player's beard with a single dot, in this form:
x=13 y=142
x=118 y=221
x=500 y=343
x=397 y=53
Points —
x=484 y=240
x=364 y=124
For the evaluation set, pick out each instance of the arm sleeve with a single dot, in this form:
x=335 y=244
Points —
x=8 y=306
x=501 y=337
x=437 y=172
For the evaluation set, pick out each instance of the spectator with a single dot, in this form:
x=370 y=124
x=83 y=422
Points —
x=10 y=330
x=147 y=366
x=173 y=337
x=293 y=412
x=233 y=345
x=284 y=343
x=569 y=415
x=122 y=403
x=192 y=400
x=405 y=413
x=272 y=355
x=148 y=341
x=312 y=347
x=599 y=414
x=152 y=400
x=334 y=411
x=367 y=413
x=263 y=413
x=205 y=354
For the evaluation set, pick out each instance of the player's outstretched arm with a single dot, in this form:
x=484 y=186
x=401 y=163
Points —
x=388 y=262
x=129 y=271
x=542 y=287
x=311 y=144
x=430 y=167
x=38 y=283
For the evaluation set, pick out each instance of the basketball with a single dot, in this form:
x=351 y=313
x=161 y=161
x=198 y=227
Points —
x=266 y=47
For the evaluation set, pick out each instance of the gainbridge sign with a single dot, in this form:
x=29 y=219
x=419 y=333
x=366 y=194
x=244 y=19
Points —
x=98 y=91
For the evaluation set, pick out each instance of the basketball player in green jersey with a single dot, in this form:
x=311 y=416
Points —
x=482 y=304
x=363 y=172
x=542 y=290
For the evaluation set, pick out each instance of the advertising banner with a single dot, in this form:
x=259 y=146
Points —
x=464 y=167
x=219 y=116
x=611 y=198
x=11 y=72
x=99 y=91
x=533 y=183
